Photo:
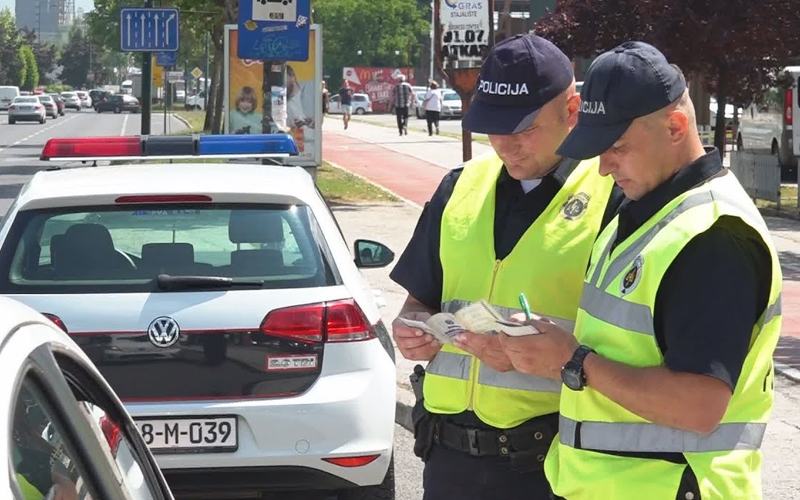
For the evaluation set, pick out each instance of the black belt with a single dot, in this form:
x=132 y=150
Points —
x=534 y=434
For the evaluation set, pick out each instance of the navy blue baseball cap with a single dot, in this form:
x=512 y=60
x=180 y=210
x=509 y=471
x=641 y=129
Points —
x=623 y=84
x=519 y=76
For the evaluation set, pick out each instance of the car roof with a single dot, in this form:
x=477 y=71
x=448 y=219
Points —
x=243 y=183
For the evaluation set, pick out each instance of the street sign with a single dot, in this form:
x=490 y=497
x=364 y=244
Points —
x=158 y=75
x=149 y=30
x=462 y=40
x=197 y=73
x=274 y=30
x=166 y=59
x=174 y=76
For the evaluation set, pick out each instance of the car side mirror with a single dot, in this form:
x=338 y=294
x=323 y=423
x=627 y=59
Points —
x=372 y=254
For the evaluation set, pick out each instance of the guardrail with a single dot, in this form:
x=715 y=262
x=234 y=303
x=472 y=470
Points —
x=759 y=174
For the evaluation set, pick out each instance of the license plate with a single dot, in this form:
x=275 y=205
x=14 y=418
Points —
x=211 y=434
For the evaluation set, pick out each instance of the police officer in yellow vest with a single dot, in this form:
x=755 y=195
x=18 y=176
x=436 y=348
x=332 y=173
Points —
x=668 y=377
x=521 y=219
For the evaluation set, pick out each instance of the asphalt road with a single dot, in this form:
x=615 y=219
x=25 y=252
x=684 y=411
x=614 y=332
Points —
x=21 y=144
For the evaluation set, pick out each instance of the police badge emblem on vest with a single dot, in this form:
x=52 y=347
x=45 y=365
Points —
x=632 y=277
x=575 y=206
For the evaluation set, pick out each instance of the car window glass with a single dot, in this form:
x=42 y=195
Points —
x=120 y=452
x=42 y=455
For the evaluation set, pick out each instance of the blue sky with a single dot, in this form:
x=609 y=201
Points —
x=86 y=5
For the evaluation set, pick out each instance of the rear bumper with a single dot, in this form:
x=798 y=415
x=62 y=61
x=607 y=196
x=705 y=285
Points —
x=241 y=481
x=349 y=411
x=21 y=117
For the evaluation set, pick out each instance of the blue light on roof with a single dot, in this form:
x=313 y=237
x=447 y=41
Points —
x=262 y=144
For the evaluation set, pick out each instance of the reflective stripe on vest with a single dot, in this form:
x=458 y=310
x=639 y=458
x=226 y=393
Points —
x=644 y=438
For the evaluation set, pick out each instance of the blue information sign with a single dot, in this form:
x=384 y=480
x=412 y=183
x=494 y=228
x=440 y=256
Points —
x=167 y=59
x=274 y=30
x=149 y=30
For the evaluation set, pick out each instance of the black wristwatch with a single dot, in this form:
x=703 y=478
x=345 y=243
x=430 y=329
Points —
x=572 y=373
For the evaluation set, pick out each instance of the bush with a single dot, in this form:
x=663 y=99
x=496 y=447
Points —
x=57 y=89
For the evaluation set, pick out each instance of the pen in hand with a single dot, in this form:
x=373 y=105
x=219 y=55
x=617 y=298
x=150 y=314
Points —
x=523 y=302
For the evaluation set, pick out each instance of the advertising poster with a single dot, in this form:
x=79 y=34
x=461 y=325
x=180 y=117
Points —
x=465 y=29
x=298 y=105
x=377 y=83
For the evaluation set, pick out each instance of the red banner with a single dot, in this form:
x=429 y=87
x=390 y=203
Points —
x=377 y=83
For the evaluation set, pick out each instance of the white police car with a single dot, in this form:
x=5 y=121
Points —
x=63 y=432
x=223 y=306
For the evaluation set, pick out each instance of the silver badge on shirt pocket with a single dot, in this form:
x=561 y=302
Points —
x=575 y=206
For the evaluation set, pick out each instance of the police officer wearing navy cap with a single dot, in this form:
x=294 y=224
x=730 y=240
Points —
x=521 y=219
x=668 y=377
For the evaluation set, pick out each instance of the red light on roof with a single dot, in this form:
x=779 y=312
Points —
x=94 y=147
x=165 y=198
x=352 y=461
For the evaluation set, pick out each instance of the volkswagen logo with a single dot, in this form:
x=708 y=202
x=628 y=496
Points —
x=163 y=332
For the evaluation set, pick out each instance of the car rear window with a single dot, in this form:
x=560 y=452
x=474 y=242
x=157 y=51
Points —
x=452 y=96
x=115 y=249
x=360 y=98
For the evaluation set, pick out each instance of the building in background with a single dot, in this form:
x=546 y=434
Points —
x=49 y=19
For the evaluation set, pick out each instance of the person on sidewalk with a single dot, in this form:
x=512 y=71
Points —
x=520 y=219
x=346 y=102
x=433 y=107
x=669 y=374
x=402 y=101
x=326 y=100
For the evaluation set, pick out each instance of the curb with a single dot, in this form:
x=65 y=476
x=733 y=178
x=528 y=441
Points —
x=788 y=372
x=375 y=184
x=182 y=120
x=778 y=213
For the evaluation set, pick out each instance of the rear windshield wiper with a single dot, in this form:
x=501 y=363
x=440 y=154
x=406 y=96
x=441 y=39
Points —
x=172 y=283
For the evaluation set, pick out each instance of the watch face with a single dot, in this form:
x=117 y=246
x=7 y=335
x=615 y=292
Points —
x=572 y=379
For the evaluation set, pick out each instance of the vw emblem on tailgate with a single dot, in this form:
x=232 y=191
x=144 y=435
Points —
x=164 y=332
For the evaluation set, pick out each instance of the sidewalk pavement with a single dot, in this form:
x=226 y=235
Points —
x=412 y=166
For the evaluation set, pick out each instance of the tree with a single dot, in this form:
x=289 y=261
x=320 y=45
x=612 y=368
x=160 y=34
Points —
x=31 y=78
x=22 y=73
x=46 y=54
x=10 y=62
x=377 y=29
x=735 y=47
x=75 y=58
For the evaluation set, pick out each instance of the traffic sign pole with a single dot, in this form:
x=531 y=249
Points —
x=147 y=84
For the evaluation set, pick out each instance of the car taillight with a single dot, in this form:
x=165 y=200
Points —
x=352 y=461
x=787 y=108
x=338 y=321
x=11 y=108
x=56 y=321
x=112 y=433
x=39 y=106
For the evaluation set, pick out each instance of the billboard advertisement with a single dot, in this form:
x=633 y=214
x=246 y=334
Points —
x=377 y=83
x=298 y=105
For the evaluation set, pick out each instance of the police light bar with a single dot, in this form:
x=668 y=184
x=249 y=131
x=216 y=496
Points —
x=156 y=147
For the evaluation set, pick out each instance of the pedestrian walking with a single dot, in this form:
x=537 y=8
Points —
x=346 y=102
x=402 y=101
x=433 y=107
x=521 y=219
x=669 y=374
x=326 y=100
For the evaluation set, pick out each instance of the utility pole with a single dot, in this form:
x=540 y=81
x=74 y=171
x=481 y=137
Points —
x=147 y=84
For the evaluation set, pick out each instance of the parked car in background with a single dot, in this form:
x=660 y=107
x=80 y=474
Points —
x=71 y=100
x=361 y=104
x=119 y=103
x=197 y=101
x=59 y=103
x=7 y=96
x=50 y=106
x=26 y=109
x=99 y=95
x=451 y=104
x=86 y=101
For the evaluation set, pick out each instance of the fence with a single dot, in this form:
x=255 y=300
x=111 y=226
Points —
x=759 y=174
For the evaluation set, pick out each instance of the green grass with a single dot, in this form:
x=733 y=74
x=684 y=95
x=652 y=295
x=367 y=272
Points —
x=196 y=119
x=788 y=200
x=339 y=186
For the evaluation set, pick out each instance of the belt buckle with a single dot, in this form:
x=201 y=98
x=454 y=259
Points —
x=472 y=441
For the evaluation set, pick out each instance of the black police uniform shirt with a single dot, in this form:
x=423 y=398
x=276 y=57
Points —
x=419 y=269
x=716 y=288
